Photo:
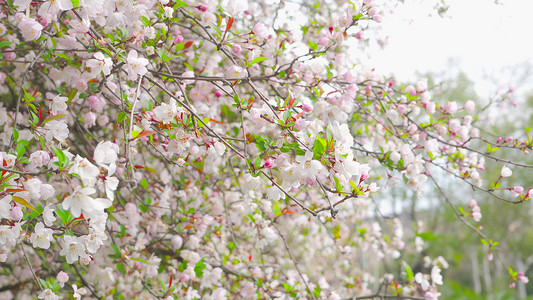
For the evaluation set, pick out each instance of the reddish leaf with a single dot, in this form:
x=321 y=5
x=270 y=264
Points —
x=188 y=44
x=288 y=212
x=299 y=115
x=138 y=167
x=14 y=190
x=230 y=23
x=291 y=102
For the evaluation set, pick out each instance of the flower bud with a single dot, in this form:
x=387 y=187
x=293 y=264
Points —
x=270 y=163
x=16 y=213
x=178 y=39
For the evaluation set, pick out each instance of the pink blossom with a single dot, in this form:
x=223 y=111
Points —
x=30 y=29
x=470 y=105
x=506 y=172
x=307 y=108
x=260 y=30
x=62 y=277
x=237 y=49
x=451 y=107
x=178 y=39
x=16 y=213
x=518 y=189
x=136 y=65
x=270 y=163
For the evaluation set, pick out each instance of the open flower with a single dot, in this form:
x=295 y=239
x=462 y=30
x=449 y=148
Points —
x=166 y=112
x=30 y=29
x=86 y=170
x=81 y=200
x=99 y=64
x=78 y=292
x=73 y=249
x=48 y=294
x=136 y=65
x=235 y=72
x=506 y=172
x=41 y=237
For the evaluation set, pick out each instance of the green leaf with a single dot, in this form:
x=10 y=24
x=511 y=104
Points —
x=116 y=250
x=71 y=95
x=146 y=21
x=23 y=202
x=140 y=260
x=188 y=66
x=134 y=134
x=75 y=3
x=257 y=163
x=199 y=268
x=319 y=147
x=15 y=134
x=64 y=215
x=121 y=117
x=338 y=185
x=179 y=4
x=408 y=272
x=4 y=44
x=121 y=269
x=60 y=156
x=287 y=287
x=490 y=149
x=231 y=246
x=317 y=291
x=313 y=45
x=277 y=209
x=50 y=118
x=426 y=236
x=257 y=60
x=144 y=183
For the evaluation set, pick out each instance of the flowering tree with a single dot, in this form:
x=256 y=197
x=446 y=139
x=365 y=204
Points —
x=187 y=150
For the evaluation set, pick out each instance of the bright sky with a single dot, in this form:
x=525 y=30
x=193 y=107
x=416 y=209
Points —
x=482 y=37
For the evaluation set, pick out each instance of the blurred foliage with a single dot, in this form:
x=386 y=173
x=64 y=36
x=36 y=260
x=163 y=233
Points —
x=470 y=275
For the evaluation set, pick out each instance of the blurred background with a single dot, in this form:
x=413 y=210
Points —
x=469 y=50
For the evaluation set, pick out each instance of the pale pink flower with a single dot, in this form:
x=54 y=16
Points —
x=41 y=237
x=30 y=29
x=62 y=278
x=85 y=169
x=235 y=72
x=260 y=31
x=48 y=294
x=78 y=292
x=73 y=249
x=99 y=64
x=80 y=200
x=506 y=172
x=50 y=8
x=58 y=104
x=470 y=105
x=451 y=107
x=48 y=215
x=136 y=65
x=16 y=213
x=56 y=130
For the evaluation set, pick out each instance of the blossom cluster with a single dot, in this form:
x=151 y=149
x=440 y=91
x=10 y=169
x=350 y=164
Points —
x=187 y=150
